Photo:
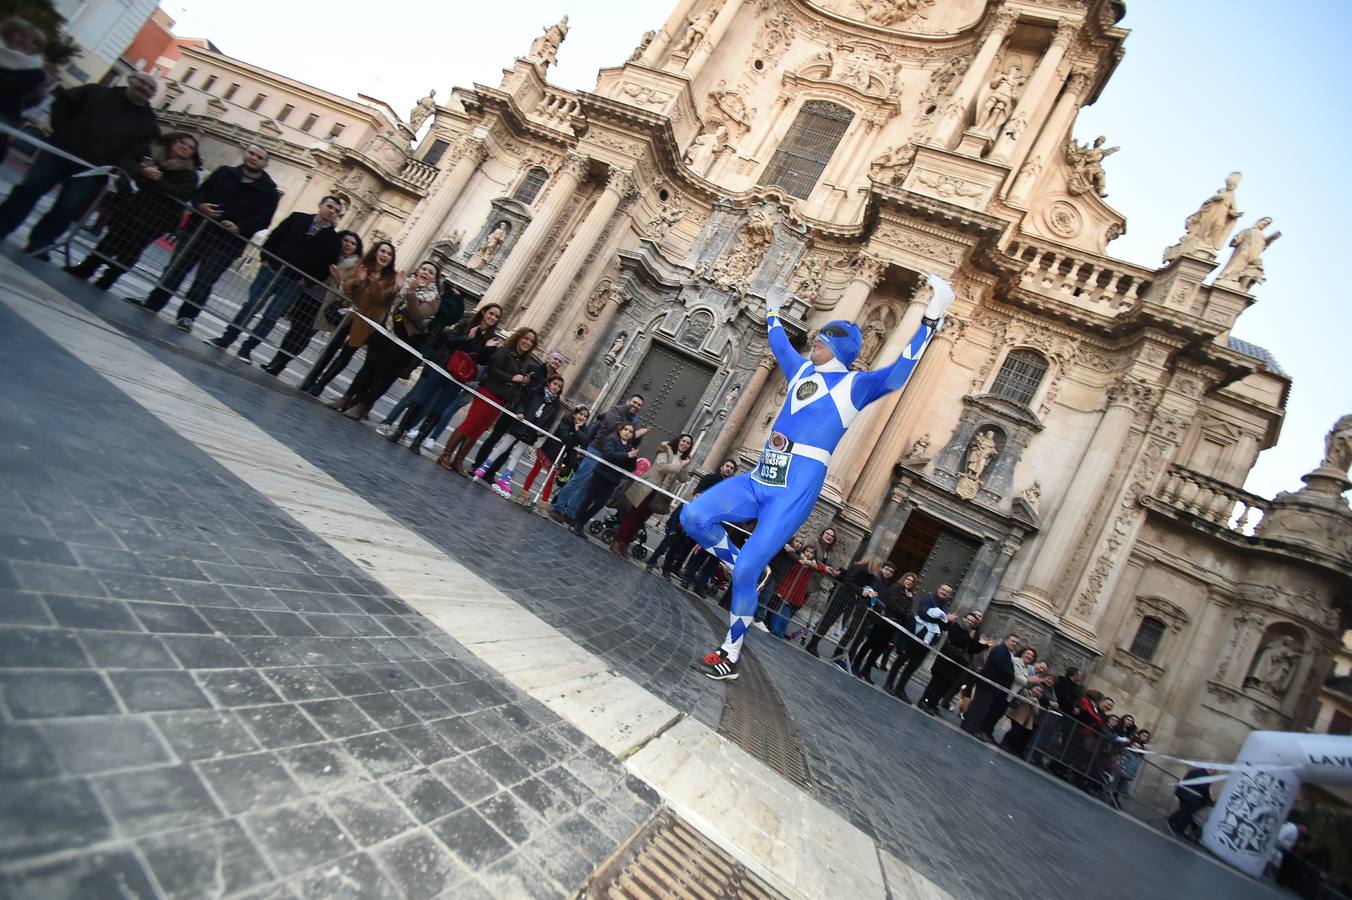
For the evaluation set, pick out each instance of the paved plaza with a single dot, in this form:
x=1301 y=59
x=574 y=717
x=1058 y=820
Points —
x=248 y=648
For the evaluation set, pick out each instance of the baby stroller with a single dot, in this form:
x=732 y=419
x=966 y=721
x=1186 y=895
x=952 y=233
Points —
x=605 y=530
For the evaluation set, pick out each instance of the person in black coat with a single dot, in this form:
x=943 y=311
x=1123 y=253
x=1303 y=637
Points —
x=561 y=445
x=620 y=450
x=535 y=411
x=104 y=126
x=931 y=614
x=898 y=600
x=848 y=599
x=164 y=178
x=232 y=205
x=999 y=668
x=303 y=250
x=1191 y=798
x=962 y=643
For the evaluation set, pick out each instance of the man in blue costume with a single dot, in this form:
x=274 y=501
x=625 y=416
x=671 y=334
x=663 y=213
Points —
x=824 y=397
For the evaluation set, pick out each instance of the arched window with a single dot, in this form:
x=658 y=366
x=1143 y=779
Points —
x=1019 y=377
x=1147 y=639
x=529 y=188
x=803 y=154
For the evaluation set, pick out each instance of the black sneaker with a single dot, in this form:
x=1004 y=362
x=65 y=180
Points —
x=219 y=343
x=243 y=354
x=717 y=666
x=140 y=303
x=184 y=324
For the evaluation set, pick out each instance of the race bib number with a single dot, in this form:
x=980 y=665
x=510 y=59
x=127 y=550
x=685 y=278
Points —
x=773 y=468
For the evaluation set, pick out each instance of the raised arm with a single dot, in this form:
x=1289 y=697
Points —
x=789 y=359
x=869 y=386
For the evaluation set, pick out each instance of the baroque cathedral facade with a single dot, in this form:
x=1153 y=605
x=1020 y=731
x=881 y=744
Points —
x=1070 y=450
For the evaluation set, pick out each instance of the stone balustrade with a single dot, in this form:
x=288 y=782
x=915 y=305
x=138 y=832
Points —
x=1079 y=279
x=418 y=173
x=1214 y=501
x=556 y=109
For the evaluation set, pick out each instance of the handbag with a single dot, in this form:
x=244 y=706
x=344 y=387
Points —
x=462 y=367
x=333 y=313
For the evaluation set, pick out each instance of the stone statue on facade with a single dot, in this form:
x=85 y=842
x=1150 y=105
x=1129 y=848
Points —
x=642 y=45
x=660 y=224
x=1338 y=446
x=1245 y=268
x=545 y=48
x=893 y=164
x=613 y=352
x=919 y=448
x=980 y=454
x=424 y=108
x=1004 y=90
x=1274 y=665
x=490 y=246
x=704 y=150
x=941 y=81
x=1032 y=495
x=808 y=282
x=894 y=12
x=696 y=27
x=1208 y=229
x=1086 y=166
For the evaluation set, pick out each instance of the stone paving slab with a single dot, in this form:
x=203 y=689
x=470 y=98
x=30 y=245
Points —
x=198 y=696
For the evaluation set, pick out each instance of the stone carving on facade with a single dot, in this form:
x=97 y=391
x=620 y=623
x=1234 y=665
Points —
x=941 y=83
x=1086 y=166
x=733 y=270
x=1245 y=268
x=729 y=105
x=980 y=452
x=667 y=216
x=1208 y=229
x=1274 y=665
x=615 y=348
x=807 y=279
x=606 y=292
x=999 y=103
x=1063 y=219
x=544 y=50
x=424 y=108
x=696 y=27
x=644 y=95
x=880 y=322
x=1338 y=446
x=488 y=248
x=1244 y=622
x=697 y=328
x=919 y=448
x=1032 y=495
x=893 y=164
x=705 y=149
x=863 y=66
x=894 y=12
x=949 y=187
x=775 y=36
x=642 y=45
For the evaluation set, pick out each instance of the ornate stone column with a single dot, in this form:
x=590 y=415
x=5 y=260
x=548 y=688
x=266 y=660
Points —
x=1056 y=544
x=1051 y=141
x=620 y=187
x=862 y=441
x=528 y=246
x=657 y=50
x=948 y=128
x=415 y=240
x=1033 y=92
x=867 y=275
x=900 y=419
x=738 y=415
x=722 y=22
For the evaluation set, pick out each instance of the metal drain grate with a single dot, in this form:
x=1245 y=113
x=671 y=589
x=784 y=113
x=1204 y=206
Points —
x=670 y=860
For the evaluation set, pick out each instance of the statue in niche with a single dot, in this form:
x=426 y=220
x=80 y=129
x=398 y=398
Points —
x=1245 y=267
x=695 y=29
x=706 y=147
x=642 y=45
x=1209 y=228
x=545 y=48
x=808 y=282
x=941 y=81
x=490 y=246
x=613 y=351
x=1274 y=665
x=893 y=164
x=1086 y=166
x=980 y=453
x=666 y=217
x=1032 y=495
x=1004 y=90
x=919 y=448
x=894 y=12
x=1338 y=446
x=424 y=108
x=729 y=402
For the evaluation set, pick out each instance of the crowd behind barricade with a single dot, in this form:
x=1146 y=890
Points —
x=513 y=428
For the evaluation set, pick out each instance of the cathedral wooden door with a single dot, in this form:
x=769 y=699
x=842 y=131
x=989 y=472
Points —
x=672 y=385
x=948 y=561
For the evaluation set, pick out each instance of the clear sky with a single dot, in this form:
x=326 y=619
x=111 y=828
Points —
x=1207 y=87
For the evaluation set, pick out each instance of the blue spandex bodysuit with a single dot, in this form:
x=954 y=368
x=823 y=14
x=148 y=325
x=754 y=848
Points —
x=779 y=493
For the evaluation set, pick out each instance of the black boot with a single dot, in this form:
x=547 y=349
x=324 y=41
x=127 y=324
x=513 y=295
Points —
x=84 y=268
x=812 y=646
x=278 y=363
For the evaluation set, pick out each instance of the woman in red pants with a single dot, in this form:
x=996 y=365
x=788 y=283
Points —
x=501 y=383
x=571 y=433
x=671 y=467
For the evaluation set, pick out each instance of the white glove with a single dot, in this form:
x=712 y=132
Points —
x=942 y=297
x=772 y=304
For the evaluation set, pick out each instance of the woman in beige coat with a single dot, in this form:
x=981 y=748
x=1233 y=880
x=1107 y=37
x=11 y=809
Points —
x=671 y=468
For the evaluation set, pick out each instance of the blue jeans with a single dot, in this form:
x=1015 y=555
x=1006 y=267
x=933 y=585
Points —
x=268 y=283
x=47 y=172
x=569 y=500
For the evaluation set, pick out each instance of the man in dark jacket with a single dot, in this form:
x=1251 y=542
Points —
x=999 y=668
x=566 y=502
x=100 y=125
x=964 y=641
x=931 y=616
x=238 y=201
x=303 y=249
x=676 y=544
x=1191 y=798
